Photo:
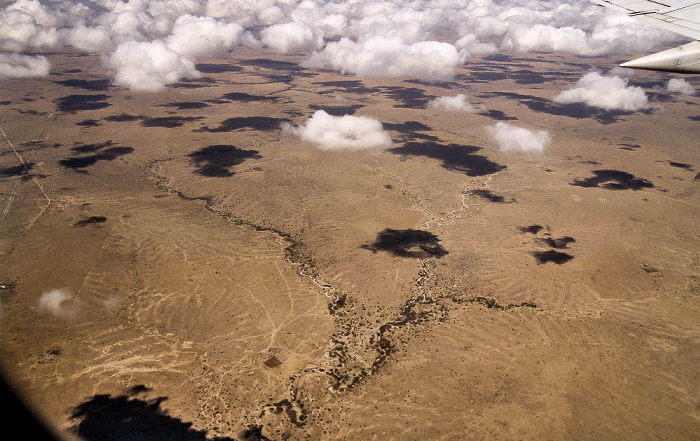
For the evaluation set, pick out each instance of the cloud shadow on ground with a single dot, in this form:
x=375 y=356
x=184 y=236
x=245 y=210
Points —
x=187 y=105
x=248 y=98
x=552 y=256
x=91 y=220
x=217 y=68
x=559 y=242
x=339 y=110
x=574 y=110
x=455 y=157
x=168 y=122
x=417 y=244
x=348 y=86
x=410 y=130
x=613 y=180
x=122 y=417
x=490 y=196
x=263 y=123
x=408 y=97
x=78 y=163
x=16 y=170
x=217 y=160
x=77 y=103
x=95 y=85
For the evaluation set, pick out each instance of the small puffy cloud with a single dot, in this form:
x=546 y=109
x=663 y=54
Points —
x=203 y=36
x=390 y=57
x=149 y=66
x=58 y=303
x=341 y=132
x=23 y=66
x=456 y=103
x=679 y=85
x=290 y=37
x=609 y=93
x=510 y=138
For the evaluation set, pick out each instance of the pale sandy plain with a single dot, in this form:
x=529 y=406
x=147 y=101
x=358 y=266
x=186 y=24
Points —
x=228 y=281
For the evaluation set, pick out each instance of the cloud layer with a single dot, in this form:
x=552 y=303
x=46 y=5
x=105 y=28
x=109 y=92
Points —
x=23 y=66
x=426 y=40
x=341 y=132
x=605 y=92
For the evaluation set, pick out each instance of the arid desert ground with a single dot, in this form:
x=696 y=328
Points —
x=178 y=265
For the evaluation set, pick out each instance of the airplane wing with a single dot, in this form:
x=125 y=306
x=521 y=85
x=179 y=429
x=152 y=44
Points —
x=679 y=16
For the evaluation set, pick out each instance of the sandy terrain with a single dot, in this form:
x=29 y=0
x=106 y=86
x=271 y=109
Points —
x=222 y=279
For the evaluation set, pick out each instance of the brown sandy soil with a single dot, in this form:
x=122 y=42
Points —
x=224 y=279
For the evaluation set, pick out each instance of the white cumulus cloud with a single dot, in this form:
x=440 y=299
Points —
x=390 y=57
x=679 y=85
x=58 y=302
x=23 y=66
x=203 y=36
x=149 y=66
x=510 y=138
x=341 y=132
x=290 y=37
x=606 y=92
x=457 y=103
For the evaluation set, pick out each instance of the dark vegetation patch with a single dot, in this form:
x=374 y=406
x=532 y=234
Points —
x=339 y=110
x=95 y=85
x=417 y=244
x=694 y=118
x=91 y=220
x=613 y=180
x=77 y=103
x=109 y=154
x=263 y=123
x=490 y=196
x=5 y=103
x=455 y=157
x=217 y=160
x=552 y=256
x=128 y=417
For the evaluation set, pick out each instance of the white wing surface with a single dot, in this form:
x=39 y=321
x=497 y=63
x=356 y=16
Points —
x=679 y=16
